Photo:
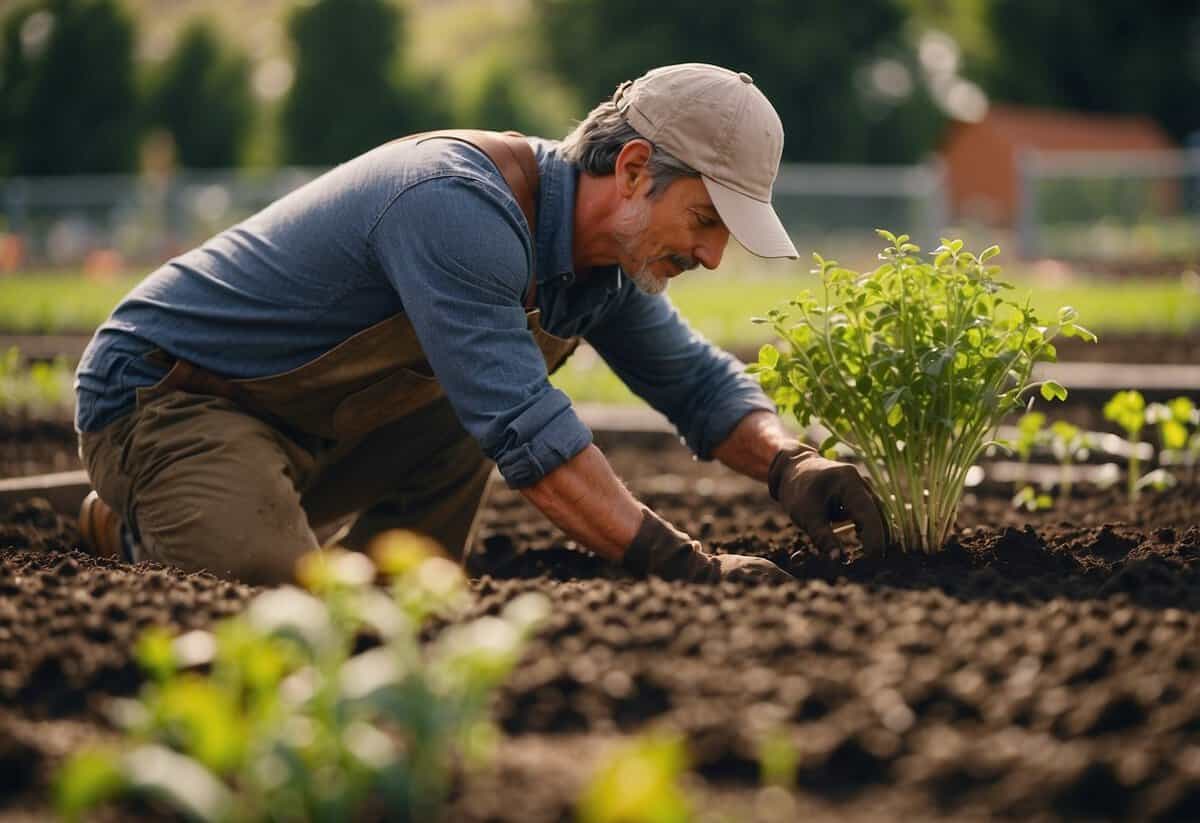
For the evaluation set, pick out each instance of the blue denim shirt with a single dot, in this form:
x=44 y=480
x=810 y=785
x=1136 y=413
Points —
x=428 y=228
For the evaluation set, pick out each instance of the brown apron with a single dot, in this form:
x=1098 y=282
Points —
x=380 y=374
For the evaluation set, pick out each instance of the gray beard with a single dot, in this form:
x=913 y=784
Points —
x=645 y=280
x=628 y=231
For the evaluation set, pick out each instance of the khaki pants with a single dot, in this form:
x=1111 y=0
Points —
x=207 y=486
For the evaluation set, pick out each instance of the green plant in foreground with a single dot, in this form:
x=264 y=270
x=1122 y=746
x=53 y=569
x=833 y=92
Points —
x=912 y=366
x=639 y=783
x=288 y=723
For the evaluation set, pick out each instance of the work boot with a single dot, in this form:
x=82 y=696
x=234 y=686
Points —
x=100 y=528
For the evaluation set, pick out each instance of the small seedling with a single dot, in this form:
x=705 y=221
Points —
x=1070 y=445
x=1175 y=419
x=1128 y=410
x=1032 y=500
x=912 y=367
x=639 y=783
x=38 y=388
x=1030 y=433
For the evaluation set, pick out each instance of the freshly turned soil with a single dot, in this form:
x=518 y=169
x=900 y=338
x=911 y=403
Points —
x=1042 y=666
x=36 y=446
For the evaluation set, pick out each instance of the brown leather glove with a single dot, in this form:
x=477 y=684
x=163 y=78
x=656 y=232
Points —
x=815 y=492
x=664 y=551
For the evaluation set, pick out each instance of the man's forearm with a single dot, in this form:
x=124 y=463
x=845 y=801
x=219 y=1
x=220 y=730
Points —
x=753 y=443
x=586 y=499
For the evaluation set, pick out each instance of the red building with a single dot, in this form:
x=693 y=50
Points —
x=981 y=158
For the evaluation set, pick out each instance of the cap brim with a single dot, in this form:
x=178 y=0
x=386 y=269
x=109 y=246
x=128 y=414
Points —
x=753 y=223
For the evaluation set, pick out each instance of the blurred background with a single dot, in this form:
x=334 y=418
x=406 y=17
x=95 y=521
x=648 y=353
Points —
x=131 y=130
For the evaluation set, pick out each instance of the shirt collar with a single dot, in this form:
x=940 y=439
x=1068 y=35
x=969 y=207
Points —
x=556 y=219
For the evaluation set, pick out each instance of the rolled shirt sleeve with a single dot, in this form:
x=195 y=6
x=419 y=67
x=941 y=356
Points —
x=702 y=390
x=459 y=255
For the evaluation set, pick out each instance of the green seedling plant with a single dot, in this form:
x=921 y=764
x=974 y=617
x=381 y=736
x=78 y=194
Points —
x=274 y=715
x=1070 y=445
x=1030 y=433
x=1178 y=422
x=1128 y=410
x=639 y=782
x=912 y=366
x=37 y=388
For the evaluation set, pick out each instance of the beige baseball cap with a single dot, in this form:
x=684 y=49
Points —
x=719 y=123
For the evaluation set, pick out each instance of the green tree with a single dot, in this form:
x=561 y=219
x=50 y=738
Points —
x=201 y=96
x=345 y=98
x=1123 y=56
x=69 y=102
x=496 y=99
x=813 y=60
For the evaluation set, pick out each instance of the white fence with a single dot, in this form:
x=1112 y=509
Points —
x=1136 y=208
x=1090 y=207
x=65 y=221
x=138 y=221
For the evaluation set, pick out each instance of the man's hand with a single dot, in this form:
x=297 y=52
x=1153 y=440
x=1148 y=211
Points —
x=815 y=492
x=664 y=551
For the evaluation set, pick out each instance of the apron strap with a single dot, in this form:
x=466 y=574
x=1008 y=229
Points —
x=513 y=157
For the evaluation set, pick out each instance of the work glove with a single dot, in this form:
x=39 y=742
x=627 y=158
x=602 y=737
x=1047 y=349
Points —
x=816 y=492
x=664 y=551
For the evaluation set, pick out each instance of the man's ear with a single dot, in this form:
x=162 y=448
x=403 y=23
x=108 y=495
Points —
x=631 y=166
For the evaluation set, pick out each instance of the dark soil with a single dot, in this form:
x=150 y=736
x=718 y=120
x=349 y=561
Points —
x=36 y=446
x=1043 y=666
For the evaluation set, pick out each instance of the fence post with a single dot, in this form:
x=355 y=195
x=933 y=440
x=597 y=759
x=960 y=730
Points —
x=16 y=204
x=1027 y=206
x=937 y=201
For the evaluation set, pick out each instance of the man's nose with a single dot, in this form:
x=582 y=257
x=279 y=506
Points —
x=711 y=248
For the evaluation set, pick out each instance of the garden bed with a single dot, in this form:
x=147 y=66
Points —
x=1044 y=665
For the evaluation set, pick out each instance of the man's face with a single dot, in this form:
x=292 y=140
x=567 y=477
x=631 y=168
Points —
x=661 y=237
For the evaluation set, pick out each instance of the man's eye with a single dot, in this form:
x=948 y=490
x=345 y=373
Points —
x=705 y=222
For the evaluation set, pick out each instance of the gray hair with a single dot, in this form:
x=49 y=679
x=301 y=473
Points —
x=595 y=143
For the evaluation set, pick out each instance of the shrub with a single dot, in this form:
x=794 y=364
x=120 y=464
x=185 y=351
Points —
x=911 y=366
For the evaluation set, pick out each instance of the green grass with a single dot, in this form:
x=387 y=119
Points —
x=718 y=304
x=56 y=302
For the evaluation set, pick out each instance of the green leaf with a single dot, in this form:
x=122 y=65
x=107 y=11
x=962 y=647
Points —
x=205 y=718
x=829 y=445
x=1182 y=409
x=1159 y=480
x=1052 y=390
x=639 y=783
x=1174 y=434
x=895 y=415
x=1127 y=409
x=155 y=654
x=768 y=356
x=777 y=760
x=87 y=779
